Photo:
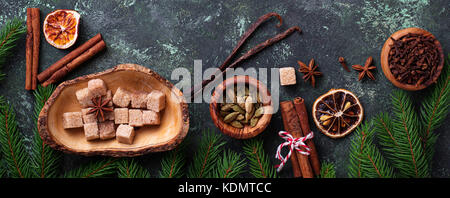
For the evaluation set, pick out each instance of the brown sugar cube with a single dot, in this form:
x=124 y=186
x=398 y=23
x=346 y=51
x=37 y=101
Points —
x=121 y=115
x=106 y=130
x=97 y=87
x=84 y=97
x=125 y=134
x=138 y=100
x=121 y=98
x=88 y=117
x=156 y=101
x=109 y=115
x=72 y=120
x=109 y=97
x=150 y=117
x=91 y=131
x=135 y=117
x=287 y=76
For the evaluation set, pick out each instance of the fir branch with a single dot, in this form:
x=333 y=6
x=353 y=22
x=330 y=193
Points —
x=46 y=161
x=12 y=144
x=9 y=35
x=97 y=168
x=408 y=157
x=385 y=135
x=365 y=158
x=2 y=168
x=434 y=110
x=384 y=127
x=363 y=136
x=206 y=157
x=230 y=165
x=172 y=164
x=374 y=165
x=327 y=170
x=259 y=165
x=130 y=168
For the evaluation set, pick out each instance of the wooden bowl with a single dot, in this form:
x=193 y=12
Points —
x=247 y=131
x=385 y=55
x=174 y=119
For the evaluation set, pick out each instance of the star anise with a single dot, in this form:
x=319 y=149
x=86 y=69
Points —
x=99 y=107
x=363 y=71
x=309 y=72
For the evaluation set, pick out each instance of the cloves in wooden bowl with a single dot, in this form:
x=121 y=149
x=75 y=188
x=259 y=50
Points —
x=241 y=107
x=174 y=121
x=412 y=59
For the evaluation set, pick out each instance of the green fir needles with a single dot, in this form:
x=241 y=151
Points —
x=327 y=170
x=99 y=168
x=366 y=160
x=259 y=163
x=434 y=110
x=407 y=138
x=230 y=165
x=9 y=34
x=206 y=157
x=409 y=157
x=45 y=160
x=12 y=144
x=130 y=168
x=173 y=163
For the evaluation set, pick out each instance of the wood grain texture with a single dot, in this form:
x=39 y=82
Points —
x=174 y=120
x=247 y=131
x=385 y=58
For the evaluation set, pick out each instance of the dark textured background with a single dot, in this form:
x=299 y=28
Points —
x=164 y=35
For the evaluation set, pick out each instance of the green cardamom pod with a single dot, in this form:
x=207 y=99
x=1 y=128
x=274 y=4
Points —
x=230 y=117
x=237 y=124
x=226 y=107
x=249 y=104
x=248 y=115
x=223 y=113
x=237 y=108
x=254 y=121
x=259 y=112
x=240 y=117
x=241 y=101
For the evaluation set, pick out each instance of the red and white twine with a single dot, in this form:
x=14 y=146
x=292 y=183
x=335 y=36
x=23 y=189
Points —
x=292 y=143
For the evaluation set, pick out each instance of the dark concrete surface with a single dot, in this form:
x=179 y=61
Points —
x=164 y=35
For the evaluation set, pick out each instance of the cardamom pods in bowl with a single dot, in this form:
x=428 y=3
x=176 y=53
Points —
x=241 y=107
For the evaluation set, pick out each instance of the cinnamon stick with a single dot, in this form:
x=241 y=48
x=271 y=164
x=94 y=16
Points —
x=29 y=51
x=88 y=54
x=291 y=124
x=35 y=23
x=300 y=108
x=43 y=76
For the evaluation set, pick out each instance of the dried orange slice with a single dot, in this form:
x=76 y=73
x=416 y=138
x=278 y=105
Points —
x=337 y=113
x=61 y=28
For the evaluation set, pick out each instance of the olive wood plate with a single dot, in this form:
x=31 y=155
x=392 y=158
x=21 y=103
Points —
x=247 y=131
x=385 y=55
x=174 y=118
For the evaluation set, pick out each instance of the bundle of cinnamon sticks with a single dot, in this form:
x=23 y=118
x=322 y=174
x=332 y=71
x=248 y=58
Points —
x=295 y=121
x=32 y=47
x=62 y=67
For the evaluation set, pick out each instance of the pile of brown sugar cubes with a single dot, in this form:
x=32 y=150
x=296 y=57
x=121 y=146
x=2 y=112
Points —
x=125 y=108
